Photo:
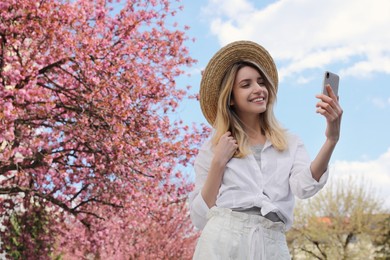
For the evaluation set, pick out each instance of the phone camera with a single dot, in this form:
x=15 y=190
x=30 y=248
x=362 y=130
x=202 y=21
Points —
x=327 y=75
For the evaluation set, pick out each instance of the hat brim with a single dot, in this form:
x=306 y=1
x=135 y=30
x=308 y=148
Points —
x=219 y=64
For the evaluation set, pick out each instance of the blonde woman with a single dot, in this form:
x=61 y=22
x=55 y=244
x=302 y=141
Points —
x=248 y=173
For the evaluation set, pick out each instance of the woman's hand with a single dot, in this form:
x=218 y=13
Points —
x=329 y=107
x=223 y=152
x=225 y=148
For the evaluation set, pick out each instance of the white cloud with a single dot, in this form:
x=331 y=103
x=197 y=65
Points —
x=306 y=34
x=375 y=172
x=374 y=63
x=303 y=80
x=380 y=102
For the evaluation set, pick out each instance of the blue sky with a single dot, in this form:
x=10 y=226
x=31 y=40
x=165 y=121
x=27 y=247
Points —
x=305 y=37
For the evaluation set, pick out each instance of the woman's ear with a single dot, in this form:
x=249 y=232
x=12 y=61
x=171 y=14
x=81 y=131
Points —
x=231 y=101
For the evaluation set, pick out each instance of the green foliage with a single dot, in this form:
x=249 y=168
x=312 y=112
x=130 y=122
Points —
x=29 y=234
x=382 y=240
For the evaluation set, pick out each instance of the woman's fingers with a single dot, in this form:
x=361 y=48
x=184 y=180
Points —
x=327 y=110
x=329 y=106
x=226 y=146
x=331 y=92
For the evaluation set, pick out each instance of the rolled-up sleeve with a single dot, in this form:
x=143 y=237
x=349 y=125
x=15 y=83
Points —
x=198 y=207
x=302 y=183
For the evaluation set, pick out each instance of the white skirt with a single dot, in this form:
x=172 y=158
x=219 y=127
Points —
x=235 y=235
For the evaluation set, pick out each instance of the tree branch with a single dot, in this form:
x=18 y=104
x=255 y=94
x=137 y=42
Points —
x=15 y=166
x=79 y=192
x=98 y=201
x=317 y=245
x=73 y=211
x=311 y=253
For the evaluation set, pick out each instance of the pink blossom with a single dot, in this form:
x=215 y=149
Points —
x=88 y=145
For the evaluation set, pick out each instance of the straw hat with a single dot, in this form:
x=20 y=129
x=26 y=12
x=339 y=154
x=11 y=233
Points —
x=219 y=64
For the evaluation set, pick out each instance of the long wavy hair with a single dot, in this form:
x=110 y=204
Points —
x=228 y=120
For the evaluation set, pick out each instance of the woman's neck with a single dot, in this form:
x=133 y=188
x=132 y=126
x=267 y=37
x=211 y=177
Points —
x=253 y=130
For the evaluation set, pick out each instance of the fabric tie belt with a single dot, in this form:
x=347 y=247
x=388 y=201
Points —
x=257 y=211
x=256 y=238
x=256 y=234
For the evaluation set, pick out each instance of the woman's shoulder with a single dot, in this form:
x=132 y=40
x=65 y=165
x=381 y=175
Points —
x=205 y=154
x=206 y=147
x=293 y=139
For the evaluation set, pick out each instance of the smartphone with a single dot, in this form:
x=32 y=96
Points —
x=331 y=79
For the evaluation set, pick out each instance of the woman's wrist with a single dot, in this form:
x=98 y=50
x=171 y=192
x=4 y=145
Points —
x=218 y=164
x=332 y=141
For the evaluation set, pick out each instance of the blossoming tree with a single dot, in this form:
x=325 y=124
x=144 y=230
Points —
x=86 y=90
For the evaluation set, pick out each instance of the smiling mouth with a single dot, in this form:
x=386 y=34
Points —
x=260 y=99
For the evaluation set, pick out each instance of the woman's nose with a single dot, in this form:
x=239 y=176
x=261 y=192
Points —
x=259 y=87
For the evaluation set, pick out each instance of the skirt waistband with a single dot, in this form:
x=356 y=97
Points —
x=273 y=216
x=246 y=220
x=256 y=227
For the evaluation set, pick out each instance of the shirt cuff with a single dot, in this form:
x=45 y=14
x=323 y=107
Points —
x=199 y=210
x=310 y=186
x=324 y=178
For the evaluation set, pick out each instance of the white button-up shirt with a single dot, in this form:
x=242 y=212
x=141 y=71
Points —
x=270 y=186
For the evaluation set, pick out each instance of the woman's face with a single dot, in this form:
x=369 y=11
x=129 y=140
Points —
x=249 y=94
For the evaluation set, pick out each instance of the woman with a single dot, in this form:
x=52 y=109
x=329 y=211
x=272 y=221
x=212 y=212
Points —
x=249 y=172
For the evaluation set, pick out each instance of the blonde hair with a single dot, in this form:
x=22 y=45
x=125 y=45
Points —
x=228 y=120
